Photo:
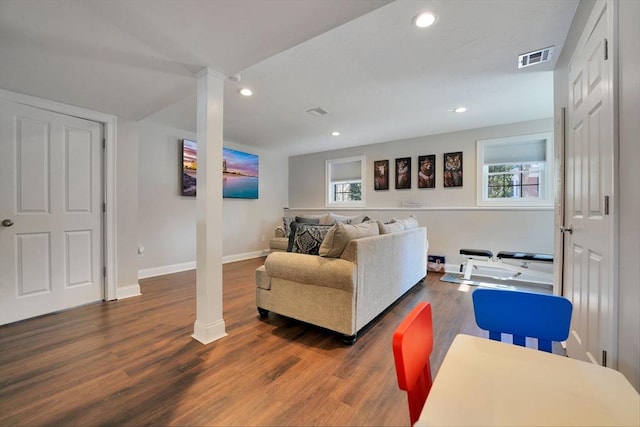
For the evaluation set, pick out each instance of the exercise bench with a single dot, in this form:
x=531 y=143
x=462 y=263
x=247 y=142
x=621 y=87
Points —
x=484 y=258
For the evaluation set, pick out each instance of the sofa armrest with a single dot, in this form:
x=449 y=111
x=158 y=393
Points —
x=312 y=270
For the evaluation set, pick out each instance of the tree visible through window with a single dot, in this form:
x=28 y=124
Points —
x=347 y=191
x=516 y=171
x=345 y=181
x=514 y=180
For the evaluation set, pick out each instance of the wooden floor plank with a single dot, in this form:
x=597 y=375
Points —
x=134 y=362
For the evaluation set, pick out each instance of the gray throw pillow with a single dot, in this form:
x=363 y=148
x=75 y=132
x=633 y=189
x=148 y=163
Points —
x=392 y=227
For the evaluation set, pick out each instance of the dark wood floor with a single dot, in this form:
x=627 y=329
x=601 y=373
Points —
x=133 y=362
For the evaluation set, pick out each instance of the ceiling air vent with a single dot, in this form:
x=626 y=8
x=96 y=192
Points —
x=535 y=57
x=317 y=112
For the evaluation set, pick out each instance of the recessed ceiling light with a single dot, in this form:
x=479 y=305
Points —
x=460 y=109
x=425 y=19
x=245 y=91
x=335 y=133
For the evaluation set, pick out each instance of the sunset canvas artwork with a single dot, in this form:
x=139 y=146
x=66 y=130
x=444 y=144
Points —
x=239 y=172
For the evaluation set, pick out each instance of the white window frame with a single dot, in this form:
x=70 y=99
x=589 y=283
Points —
x=547 y=186
x=329 y=184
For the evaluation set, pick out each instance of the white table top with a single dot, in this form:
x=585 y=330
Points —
x=490 y=383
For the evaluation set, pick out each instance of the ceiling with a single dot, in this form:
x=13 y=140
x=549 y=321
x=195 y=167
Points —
x=378 y=77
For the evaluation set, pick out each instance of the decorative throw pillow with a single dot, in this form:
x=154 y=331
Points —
x=286 y=223
x=326 y=219
x=305 y=220
x=355 y=219
x=391 y=227
x=294 y=225
x=308 y=238
x=341 y=234
x=345 y=219
x=409 y=223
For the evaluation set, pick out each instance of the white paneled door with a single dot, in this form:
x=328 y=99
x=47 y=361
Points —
x=50 y=212
x=589 y=196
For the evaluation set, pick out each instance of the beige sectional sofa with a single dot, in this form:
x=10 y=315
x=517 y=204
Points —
x=345 y=293
x=279 y=242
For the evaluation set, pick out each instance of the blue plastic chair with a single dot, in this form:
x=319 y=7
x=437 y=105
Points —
x=523 y=314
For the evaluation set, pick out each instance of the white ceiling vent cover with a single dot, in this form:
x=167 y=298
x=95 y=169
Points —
x=535 y=57
x=317 y=112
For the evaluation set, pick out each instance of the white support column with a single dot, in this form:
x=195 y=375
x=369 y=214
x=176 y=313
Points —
x=209 y=325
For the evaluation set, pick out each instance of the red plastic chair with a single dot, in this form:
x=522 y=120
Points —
x=412 y=346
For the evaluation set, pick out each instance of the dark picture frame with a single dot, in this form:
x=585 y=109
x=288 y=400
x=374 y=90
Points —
x=427 y=171
x=452 y=175
x=381 y=175
x=403 y=173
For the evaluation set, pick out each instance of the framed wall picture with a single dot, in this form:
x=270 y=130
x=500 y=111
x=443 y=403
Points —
x=381 y=174
x=239 y=174
x=427 y=171
x=403 y=173
x=189 y=167
x=453 y=169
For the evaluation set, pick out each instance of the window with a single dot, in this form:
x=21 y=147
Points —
x=516 y=171
x=344 y=181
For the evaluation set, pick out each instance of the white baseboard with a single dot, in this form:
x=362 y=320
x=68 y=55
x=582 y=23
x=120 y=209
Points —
x=128 y=291
x=208 y=333
x=185 y=266
x=246 y=255
x=166 y=269
x=452 y=268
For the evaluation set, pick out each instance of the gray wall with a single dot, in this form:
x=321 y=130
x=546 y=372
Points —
x=451 y=214
x=629 y=177
x=166 y=220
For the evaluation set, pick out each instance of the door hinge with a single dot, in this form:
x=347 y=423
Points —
x=606 y=49
x=104 y=143
x=604 y=358
x=104 y=207
x=104 y=271
x=606 y=205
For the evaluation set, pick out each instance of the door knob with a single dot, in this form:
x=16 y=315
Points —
x=568 y=229
x=7 y=222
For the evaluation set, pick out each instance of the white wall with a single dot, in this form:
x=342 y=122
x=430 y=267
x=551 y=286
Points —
x=127 y=206
x=451 y=214
x=166 y=220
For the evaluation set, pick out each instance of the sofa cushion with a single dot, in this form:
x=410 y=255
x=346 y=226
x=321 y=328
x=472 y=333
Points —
x=341 y=234
x=278 y=244
x=310 y=270
x=408 y=224
x=308 y=238
x=392 y=227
